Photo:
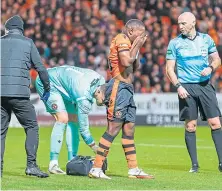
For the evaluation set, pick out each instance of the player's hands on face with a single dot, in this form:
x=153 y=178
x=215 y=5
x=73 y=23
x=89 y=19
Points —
x=206 y=71
x=140 y=40
x=136 y=41
x=182 y=92
x=144 y=36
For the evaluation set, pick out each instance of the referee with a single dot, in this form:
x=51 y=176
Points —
x=190 y=52
x=18 y=54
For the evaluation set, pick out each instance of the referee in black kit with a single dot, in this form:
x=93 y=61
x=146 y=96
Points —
x=18 y=55
x=189 y=54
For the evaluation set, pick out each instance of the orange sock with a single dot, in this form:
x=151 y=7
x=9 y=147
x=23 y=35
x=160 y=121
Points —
x=103 y=150
x=130 y=150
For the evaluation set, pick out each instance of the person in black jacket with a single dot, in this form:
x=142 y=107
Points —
x=18 y=55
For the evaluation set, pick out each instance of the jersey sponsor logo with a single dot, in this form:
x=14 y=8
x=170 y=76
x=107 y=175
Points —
x=94 y=82
x=123 y=45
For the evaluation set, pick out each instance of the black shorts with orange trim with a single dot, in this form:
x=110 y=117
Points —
x=119 y=102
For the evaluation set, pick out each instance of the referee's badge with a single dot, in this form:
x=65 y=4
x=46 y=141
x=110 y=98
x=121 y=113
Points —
x=203 y=51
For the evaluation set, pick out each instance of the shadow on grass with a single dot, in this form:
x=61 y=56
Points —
x=116 y=175
x=169 y=167
x=42 y=168
x=11 y=173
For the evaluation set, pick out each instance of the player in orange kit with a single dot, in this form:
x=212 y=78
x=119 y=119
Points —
x=118 y=98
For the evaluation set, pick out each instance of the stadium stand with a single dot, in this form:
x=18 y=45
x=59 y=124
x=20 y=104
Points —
x=78 y=32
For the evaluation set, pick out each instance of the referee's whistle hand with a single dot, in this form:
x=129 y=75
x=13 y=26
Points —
x=182 y=92
x=206 y=71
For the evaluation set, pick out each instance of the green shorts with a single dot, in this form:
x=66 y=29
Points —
x=56 y=103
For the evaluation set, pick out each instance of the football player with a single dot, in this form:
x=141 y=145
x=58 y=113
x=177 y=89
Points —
x=71 y=97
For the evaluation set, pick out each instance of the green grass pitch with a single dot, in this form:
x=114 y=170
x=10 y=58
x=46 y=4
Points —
x=160 y=151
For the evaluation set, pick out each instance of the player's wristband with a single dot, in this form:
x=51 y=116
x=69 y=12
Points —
x=212 y=68
x=178 y=85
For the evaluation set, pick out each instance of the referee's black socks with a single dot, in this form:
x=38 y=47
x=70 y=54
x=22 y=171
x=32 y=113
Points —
x=190 y=139
x=217 y=138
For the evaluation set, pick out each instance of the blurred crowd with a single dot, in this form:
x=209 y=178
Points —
x=79 y=32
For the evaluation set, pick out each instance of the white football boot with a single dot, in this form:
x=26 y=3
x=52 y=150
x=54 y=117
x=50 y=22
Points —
x=97 y=173
x=139 y=173
x=54 y=168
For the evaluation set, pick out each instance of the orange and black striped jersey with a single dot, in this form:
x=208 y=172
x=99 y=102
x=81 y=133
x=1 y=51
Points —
x=119 y=43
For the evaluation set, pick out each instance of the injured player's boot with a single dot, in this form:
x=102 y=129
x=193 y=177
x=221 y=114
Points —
x=97 y=173
x=139 y=173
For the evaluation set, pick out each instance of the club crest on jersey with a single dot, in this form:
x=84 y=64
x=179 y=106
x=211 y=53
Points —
x=54 y=106
x=118 y=114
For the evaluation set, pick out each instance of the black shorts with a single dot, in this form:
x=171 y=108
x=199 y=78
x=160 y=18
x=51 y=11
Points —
x=202 y=96
x=119 y=102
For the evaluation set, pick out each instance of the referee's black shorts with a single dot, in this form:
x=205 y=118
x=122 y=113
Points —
x=202 y=97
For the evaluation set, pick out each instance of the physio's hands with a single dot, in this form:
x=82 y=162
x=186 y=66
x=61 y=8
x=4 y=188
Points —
x=94 y=147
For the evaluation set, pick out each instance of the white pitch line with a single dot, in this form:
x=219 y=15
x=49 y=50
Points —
x=167 y=146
